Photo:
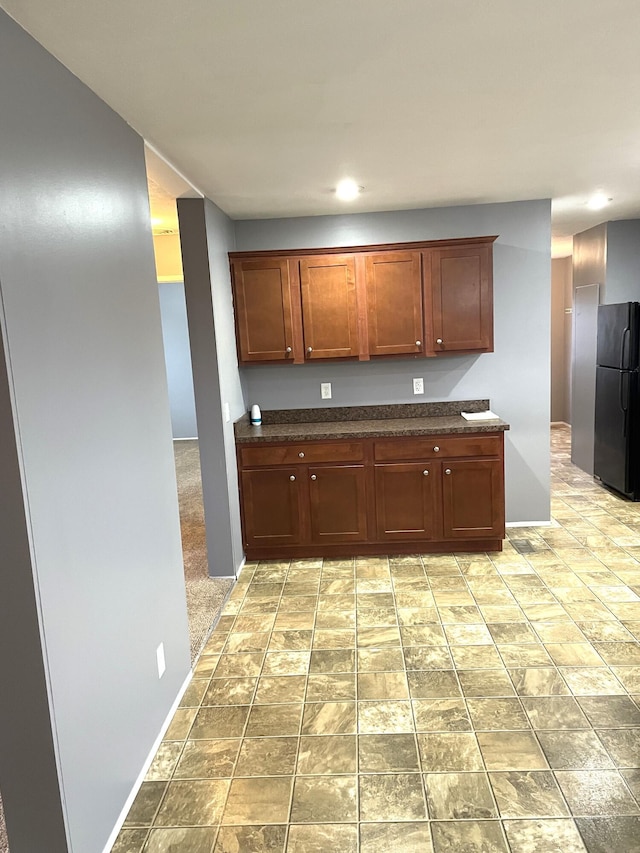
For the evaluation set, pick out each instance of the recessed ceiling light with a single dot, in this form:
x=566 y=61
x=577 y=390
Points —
x=598 y=201
x=347 y=190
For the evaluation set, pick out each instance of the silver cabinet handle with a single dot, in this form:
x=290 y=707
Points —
x=292 y=477
x=309 y=349
x=425 y=473
x=314 y=477
x=288 y=349
x=301 y=454
x=436 y=449
x=418 y=343
x=447 y=470
x=438 y=340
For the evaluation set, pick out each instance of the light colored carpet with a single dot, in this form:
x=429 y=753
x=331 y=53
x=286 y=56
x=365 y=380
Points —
x=205 y=595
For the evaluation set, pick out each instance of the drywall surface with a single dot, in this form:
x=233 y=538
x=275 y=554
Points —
x=85 y=365
x=207 y=237
x=516 y=377
x=623 y=262
x=175 y=334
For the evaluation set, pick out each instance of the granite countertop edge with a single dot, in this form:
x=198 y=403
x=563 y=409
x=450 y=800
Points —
x=376 y=428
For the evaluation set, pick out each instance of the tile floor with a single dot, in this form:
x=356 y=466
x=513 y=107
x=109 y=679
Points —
x=478 y=703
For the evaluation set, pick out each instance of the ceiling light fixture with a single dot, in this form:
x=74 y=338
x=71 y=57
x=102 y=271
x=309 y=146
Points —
x=598 y=201
x=347 y=190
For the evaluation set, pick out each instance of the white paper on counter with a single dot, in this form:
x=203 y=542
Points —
x=487 y=415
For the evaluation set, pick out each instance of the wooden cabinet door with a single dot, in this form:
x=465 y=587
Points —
x=338 y=503
x=473 y=499
x=394 y=303
x=262 y=293
x=406 y=500
x=271 y=506
x=459 y=299
x=329 y=306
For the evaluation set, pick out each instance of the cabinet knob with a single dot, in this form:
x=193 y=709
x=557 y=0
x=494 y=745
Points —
x=288 y=349
x=425 y=473
x=309 y=349
x=301 y=454
x=418 y=343
x=292 y=477
x=438 y=340
x=314 y=477
x=447 y=470
x=436 y=449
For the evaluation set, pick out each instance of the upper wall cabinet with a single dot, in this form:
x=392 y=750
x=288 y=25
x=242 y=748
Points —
x=394 y=303
x=329 y=306
x=458 y=295
x=406 y=299
x=263 y=307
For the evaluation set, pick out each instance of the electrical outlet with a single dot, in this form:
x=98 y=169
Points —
x=418 y=386
x=160 y=659
x=325 y=390
x=227 y=413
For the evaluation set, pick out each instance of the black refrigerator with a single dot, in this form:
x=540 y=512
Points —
x=617 y=425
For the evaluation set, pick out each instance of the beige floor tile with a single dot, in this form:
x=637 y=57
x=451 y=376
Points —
x=323 y=799
x=259 y=800
x=318 y=838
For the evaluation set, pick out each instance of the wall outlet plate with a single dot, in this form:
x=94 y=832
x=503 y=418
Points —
x=161 y=661
x=325 y=390
x=418 y=386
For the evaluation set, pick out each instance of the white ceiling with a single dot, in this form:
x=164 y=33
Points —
x=265 y=105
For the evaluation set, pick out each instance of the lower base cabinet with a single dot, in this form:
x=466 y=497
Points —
x=375 y=496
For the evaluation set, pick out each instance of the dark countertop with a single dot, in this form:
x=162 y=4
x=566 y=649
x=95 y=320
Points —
x=383 y=422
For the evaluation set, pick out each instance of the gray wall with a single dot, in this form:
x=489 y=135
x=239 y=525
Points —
x=175 y=334
x=81 y=328
x=623 y=262
x=515 y=377
x=207 y=236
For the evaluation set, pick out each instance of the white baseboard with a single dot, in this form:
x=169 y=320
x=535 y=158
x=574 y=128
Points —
x=147 y=763
x=529 y=524
x=186 y=438
x=240 y=567
x=560 y=423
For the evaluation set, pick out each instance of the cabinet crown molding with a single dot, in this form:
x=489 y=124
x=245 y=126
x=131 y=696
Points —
x=373 y=247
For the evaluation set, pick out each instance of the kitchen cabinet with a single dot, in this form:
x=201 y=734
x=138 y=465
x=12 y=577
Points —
x=337 y=503
x=429 y=298
x=405 y=501
x=394 y=303
x=329 y=306
x=264 y=304
x=458 y=293
x=472 y=498
x=440 y=492
x=272 y=507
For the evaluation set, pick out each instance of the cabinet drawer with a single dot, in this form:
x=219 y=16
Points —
x=437 y=446
x=343 y=451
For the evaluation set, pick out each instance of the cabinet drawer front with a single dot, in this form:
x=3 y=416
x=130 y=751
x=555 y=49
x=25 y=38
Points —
x=435 y=447
x=302 y=453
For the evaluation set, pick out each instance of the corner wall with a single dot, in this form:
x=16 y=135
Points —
x=97 y=535
x=515 y=377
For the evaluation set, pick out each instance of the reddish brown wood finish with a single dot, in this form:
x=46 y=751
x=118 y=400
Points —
x=329 y=307
x=299 y=452
x=459 y=298
x=271 y=507
x=338 y=503
x=406 y=496
x=263 y=307
x=394 y=303
x=329 y=505
x=472 y=498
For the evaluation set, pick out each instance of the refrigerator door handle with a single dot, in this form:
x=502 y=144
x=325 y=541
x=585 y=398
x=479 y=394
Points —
x=623 y=341
x=624 y=399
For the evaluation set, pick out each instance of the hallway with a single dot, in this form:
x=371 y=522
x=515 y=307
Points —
x=482 y=703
